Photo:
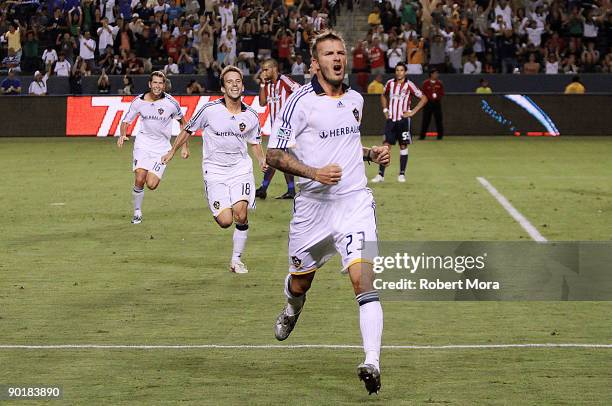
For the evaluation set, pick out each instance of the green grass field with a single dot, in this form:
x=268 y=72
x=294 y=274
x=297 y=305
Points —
x=75 y=271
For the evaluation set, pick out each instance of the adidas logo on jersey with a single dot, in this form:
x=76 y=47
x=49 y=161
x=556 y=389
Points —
x=340 y=105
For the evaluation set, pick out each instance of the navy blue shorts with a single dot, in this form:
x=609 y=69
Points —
x=398 y=131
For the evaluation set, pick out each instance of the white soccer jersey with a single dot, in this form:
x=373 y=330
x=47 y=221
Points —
x=398 y=94
x=225 y=137
x=321 y=130
x=278 y=92
x=156 y=122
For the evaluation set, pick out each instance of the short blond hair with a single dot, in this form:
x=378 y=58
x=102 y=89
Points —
x=226 y=70
x=324 y=36
x=159 y=74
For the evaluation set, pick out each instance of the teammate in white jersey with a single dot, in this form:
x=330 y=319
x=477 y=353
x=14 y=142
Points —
x=157 y=110
x=228 y=126
x=395 y=102
x=317 y=138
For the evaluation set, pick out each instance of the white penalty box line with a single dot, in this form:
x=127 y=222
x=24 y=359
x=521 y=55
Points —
x=296 y=346
x=516 y=215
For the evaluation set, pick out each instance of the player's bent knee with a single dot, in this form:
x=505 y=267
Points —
x=300 y=283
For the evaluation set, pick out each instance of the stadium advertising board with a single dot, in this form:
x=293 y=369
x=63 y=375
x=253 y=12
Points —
x=101 y=115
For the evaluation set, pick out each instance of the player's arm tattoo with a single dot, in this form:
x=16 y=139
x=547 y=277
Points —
x=287 y=162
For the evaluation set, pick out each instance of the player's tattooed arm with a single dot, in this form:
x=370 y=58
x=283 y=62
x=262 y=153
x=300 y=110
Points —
x=288 y=163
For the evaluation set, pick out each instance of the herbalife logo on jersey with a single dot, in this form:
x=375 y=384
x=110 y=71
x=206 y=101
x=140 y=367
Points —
x=336 y=132
x=160 y=111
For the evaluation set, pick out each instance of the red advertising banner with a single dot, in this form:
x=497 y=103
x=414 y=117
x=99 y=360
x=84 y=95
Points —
x=100 y=116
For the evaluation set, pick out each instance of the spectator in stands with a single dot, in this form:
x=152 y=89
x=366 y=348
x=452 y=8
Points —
x=62 y=66
x=360 y=58
x=11 y=61
x=455 y=55
x=575 y=87
x=395 y=55
x=376 y=86
x=13 y=37
x=38 y=87
x=171 y=68
x=78 y=70
x=195 y=88
x=67 y=45
x=374 y=17
x=569 y=65
x=134 y=65
x=128 y=85
x=590 y=58
x=49 y=56
x=186 y=61
x=473 y=65
x=87 y=48
x=106 y=35
x=103 y=83
x=415 y=55
x=31 y=57
x=437 y=58
x=377 y=57
x=532 y=66
x=607 y=63
x=299 y=67
x=484 y=87
x=552 y=65
x=10 y=85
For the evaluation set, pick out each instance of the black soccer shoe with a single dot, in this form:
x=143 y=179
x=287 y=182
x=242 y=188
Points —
x=261 y=193
x=370 y=377
x=290 y=194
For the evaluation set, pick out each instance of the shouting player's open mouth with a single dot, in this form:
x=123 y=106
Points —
x=337 y=68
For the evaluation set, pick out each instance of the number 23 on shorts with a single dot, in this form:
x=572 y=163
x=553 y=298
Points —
x=354 y=242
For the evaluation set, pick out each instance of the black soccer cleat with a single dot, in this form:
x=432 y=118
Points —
x=370 y=376
x=261 y=193
x=290 y=194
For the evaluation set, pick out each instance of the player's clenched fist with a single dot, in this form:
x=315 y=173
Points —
x=166 y=158
x=380 y=155
x=121 y=140
x=329 y=174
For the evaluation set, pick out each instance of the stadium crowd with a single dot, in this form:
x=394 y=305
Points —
x=489 y=36
x=75 y=38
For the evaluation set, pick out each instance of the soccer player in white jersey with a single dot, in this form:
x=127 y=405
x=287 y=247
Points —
x=274 y=89
x=395 y=102
x=317 y=138
x=156 y=109
x=228 y=126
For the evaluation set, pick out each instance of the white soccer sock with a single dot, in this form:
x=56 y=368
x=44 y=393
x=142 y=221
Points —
x=371 y=323
x=240 y=238
x=137 y=197
x=294 y=303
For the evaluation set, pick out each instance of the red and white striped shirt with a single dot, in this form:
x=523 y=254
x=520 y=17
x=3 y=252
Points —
x=277 y=93
x=398 y=95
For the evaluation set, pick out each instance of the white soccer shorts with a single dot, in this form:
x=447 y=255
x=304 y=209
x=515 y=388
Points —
x=224 y=193
x=150 y=161
x=322 y=227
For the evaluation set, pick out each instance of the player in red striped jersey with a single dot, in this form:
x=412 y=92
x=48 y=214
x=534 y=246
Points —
x=274 y=89
x=395 y=101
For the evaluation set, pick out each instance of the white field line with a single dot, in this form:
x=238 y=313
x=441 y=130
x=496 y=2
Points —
x=527 y=226
x=291 y=347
